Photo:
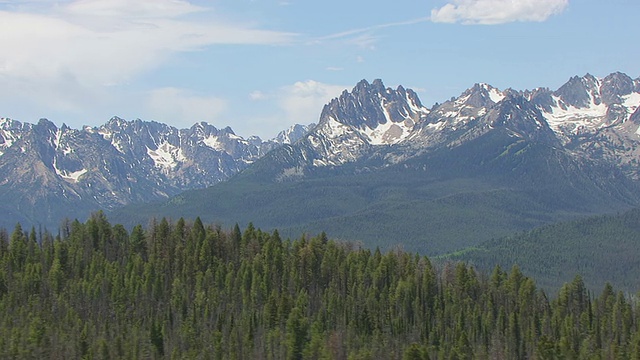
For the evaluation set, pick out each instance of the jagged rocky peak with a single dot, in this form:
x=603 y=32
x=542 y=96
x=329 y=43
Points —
x=228 y=131
x=371 y=104
x=521 y=116
x=614 y=86
x=10 y=131
x=201 y=128
x=579 y=92
x=117 y=125
x=587 y=104
x=364 y=87
x=46 y=125
x=46 y=135
x=541 y=97
x=471 y=104
x=117 y=121
x=293 y=134
x=481 y=95
x=6 y=123
x=255 y=140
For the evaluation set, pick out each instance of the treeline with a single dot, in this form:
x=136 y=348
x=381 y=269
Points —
x=186 y=290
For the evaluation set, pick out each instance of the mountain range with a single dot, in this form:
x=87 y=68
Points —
x=379 y=166
x=47 y=173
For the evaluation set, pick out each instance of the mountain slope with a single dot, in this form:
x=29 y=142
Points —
x=480 y=166
x=433 y=204
x=601 y=249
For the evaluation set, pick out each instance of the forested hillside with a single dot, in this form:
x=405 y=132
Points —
x=186 y=290
x=601 y=249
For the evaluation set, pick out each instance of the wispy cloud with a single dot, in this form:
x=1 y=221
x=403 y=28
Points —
x=89 y=45
x=364 y=37
x=258 y=95
x=108 y=41
x=491 y=12
x=132 y=9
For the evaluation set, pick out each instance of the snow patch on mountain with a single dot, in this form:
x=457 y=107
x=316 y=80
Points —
x=495 y=95
x=389 y=132
x=9 y=133
x=337 y=129
x=72 y=176
x=6 y=140
x=68 y=176
x=575 y=120
x=338 y=143
x=214 y=143
x=631 y=102
x=166 y=156
x=416 y=108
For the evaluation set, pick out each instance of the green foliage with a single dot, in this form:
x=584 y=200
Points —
x=188 y=290
x=602 y=249
x=432 y=204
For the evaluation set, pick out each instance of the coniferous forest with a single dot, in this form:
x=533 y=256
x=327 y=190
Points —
x=186 y=290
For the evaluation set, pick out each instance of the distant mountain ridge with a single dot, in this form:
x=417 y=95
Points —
x=46 y=170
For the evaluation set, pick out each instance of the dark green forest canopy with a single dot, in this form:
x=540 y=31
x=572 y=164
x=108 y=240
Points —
x=602 y=249
x=189 y=290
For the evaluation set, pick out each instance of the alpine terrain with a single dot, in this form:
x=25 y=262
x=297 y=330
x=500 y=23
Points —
x=47 y=173
x=382 y=168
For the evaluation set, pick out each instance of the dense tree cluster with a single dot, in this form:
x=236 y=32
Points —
x=186 y=290
x=602 y=249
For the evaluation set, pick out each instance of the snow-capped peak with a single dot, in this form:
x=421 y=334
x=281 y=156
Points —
x=293 y=134
x=381 y=116
x=587 y=104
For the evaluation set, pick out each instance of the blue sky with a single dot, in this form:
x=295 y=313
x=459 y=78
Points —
x=260 y=66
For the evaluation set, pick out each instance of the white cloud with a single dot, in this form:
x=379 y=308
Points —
x=182 y=107
x=59 y=49
x=490 y=12
x=105 y=42
x=258 y=95
x=132 y=9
